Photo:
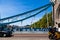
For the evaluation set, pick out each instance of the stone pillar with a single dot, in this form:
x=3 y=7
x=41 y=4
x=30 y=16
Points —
x=57 y=13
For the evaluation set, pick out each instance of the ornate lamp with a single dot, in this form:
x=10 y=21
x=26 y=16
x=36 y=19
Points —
x=53 y=1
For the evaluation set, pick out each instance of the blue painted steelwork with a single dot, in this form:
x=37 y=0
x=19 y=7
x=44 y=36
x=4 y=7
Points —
x=25 y=12
x=29 y=16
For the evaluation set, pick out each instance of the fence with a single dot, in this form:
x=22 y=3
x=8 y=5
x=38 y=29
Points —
x=31 y=29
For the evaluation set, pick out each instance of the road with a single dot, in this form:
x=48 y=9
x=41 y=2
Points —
x=21 y=37
x=25 y=38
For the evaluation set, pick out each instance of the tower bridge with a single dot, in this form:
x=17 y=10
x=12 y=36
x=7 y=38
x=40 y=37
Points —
x=27 y=33
x=55 y=14
x=24 y=15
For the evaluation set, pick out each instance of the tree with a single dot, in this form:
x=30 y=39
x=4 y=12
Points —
x=42 y=23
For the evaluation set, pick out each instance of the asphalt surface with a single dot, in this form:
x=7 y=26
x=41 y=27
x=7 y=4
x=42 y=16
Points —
x=21 y=37
x=25 y=38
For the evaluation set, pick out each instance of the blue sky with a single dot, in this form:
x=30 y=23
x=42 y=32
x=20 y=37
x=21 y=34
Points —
x=13 y=7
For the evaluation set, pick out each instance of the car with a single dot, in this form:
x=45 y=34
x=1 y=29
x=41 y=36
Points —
x=5 y=30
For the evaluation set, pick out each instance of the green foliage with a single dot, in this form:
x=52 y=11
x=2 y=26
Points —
x=42 y=23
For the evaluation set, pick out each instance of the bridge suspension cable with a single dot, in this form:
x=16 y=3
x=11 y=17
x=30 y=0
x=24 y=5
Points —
x=28 y=16
x=25 y=12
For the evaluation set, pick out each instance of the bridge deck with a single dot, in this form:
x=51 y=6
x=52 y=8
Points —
x=30 y=35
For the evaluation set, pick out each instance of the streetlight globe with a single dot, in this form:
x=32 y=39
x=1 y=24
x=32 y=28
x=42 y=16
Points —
x=52 y=0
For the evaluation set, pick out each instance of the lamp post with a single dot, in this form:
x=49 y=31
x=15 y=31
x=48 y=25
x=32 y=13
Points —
x=0 y=17
x=53 y=2
x=47 y=19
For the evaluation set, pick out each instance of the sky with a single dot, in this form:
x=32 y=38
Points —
x=13 y=7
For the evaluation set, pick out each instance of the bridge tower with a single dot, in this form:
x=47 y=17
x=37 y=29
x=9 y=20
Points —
x=56 y=13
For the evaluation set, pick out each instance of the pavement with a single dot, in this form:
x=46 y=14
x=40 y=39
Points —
x=26 y=37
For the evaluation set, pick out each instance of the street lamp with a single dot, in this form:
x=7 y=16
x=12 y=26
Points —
x=52 y=0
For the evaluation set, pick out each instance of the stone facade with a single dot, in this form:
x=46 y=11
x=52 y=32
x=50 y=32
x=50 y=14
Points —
x=57 y=13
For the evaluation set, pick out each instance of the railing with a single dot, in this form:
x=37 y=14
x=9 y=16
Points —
x=31 y=29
